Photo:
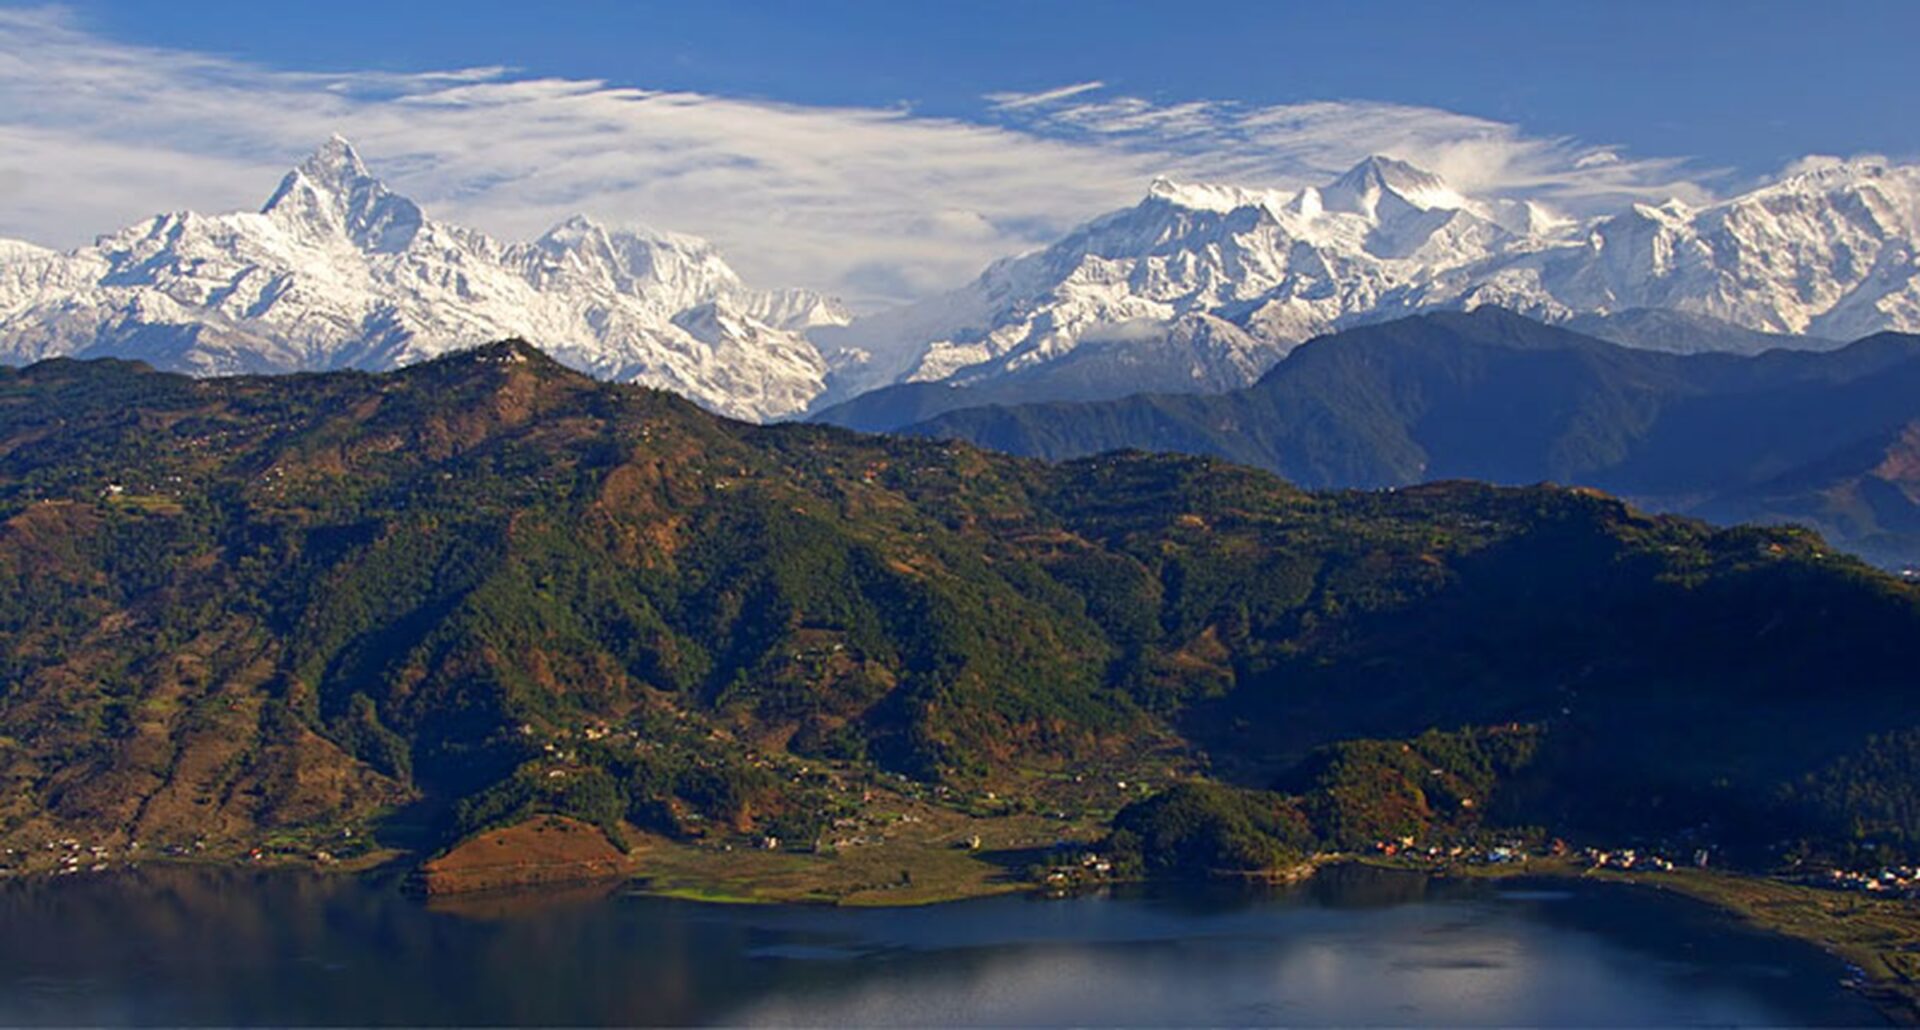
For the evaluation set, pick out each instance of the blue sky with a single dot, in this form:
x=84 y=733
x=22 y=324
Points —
x=1750 y=85
x=886 y=149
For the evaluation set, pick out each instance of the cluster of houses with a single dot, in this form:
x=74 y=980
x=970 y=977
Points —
x=848 y=835
x=1629 y=858
x=75 y=857
x=67 y=856
x=1404 y=847
x=1902 y=881
x=1076 y=870
x=1509 y=851
x=1446 y=854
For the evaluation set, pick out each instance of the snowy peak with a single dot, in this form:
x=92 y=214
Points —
x=1823 y=176
x=1833 y=251
x=672 y=271
x=676 y=269
x=1870 y=191
x=1531 y=218
x=1210 y=197
x=712 y=322
x=1282 y=266
x=1378 y=181
x=1361 y=190
x=336 y=270
x=335 y=165
x=20 y=250
x=331 y=193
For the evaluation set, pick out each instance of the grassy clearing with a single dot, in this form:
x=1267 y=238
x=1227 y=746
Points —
x=920 y=857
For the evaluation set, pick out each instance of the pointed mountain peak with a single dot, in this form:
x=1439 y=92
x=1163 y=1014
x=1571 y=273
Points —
x=334 y=161
x=571 y=233
x=1381 y=168
x=577 y=222
x=331 y=193
x=1361 y=188
x=333 y=168
x=578 y=230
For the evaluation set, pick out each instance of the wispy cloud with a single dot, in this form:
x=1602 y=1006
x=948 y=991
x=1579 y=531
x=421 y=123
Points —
x=1298 y=144
x=875 y=203
x=1015 y=101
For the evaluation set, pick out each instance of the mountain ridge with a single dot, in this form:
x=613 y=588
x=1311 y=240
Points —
x=1824 y=254
x=335 y=270
x=1495 y=396
x=1198 y=287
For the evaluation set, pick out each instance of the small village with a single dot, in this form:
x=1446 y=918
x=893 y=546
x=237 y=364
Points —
x=1513 y=852
x=1887 y=881
x=1069 y=868
x=1894 y=881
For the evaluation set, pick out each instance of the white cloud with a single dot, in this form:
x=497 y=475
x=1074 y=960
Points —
x=1820 y=162
x=1015 y=101
x=1297 y=144
x=874 y=203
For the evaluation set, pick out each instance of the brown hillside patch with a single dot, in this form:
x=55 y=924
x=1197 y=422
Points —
x=1900 y=465
x=543 y=850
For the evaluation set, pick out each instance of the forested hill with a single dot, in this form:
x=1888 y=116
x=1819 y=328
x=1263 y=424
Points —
x=1820 y=438
x=298 y=602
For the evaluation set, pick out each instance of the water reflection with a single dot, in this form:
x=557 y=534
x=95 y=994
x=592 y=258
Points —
x=1354 y=946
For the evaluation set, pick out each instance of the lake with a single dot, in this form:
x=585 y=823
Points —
x=1355 y=946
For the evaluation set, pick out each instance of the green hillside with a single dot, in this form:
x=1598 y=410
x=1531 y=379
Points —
x=448 y=596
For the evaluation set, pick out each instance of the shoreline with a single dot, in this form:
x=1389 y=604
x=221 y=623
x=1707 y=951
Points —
x=1878 y=938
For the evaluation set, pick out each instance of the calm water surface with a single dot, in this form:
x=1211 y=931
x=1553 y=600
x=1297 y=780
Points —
x=1355 y=947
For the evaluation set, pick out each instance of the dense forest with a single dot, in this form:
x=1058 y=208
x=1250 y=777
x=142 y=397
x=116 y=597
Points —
x=487 y=586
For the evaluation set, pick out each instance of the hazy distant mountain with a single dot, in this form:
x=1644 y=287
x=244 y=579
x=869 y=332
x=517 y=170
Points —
x=1196 y=354
x=1495 y=396
x=1827 y=254
x=1678 y=332
x=1866 y=494
x=338 y=271
x=1110 y=369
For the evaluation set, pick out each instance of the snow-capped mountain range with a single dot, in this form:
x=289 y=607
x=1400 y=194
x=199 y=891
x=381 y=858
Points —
x=338 y=271
x=1832 y=253
x=1197 y=286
